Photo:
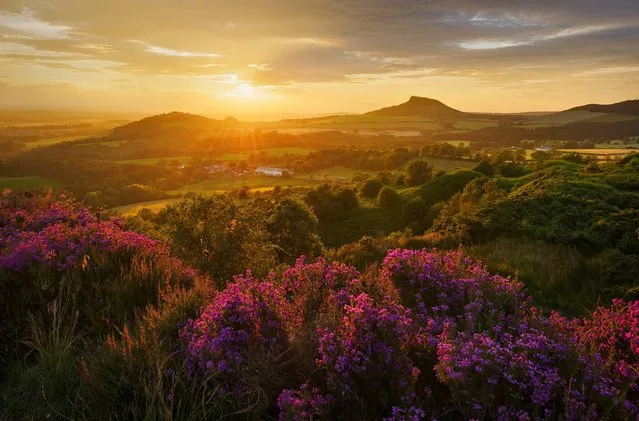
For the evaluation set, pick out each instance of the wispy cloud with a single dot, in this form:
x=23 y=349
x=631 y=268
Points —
x=492 y=44
x=320 y=42
x=27 y=24
x=163 y=51
x=264 y=67
x=603 y=71
x=17 y=49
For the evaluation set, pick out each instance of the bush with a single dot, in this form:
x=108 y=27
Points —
x=389 y=200
x=371 y=188
x=59 y=251
x=418 y=172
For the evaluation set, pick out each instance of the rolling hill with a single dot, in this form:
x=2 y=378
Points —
x=419 y=106
x=170 y=124
x=630 y=107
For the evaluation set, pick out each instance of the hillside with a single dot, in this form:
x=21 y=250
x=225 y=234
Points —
x=173 y=123
x=630 y=107
x=418 y=106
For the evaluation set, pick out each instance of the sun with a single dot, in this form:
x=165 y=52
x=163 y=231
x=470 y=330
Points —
x=244 y=90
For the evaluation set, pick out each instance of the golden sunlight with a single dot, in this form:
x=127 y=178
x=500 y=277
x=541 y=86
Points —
x=244 y=90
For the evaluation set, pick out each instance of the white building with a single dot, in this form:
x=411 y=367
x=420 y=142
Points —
x=214 y=169
x=270 y=171
x=544 y=149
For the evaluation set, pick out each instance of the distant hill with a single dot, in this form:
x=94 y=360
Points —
x=170 y=124
x=630 y=107
x=418 y=106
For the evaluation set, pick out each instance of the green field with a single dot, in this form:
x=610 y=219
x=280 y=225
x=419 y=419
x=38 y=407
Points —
x=230 y=182
x=110 y=144
x=474 y=124
x=373 y=122
x=26 y=183
x=155 y=161
x=335 y=174
x=449 y=165
x=48 y=141
x=154 y=206
x=457 y=143
x=275 y=152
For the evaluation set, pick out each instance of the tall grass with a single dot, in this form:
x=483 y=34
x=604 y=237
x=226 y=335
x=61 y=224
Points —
x=556 y=275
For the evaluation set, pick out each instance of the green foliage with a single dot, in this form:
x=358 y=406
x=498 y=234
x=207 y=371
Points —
x=371 y=188
x=441 y=188
x=418 y=172
x=389 y=200
x=294 y=230
x=220 y=236
x=486 y=168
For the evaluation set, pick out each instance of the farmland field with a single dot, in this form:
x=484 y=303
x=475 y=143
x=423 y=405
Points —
x=155 y=161
x=457 y=143
x=600 y=151
x=25 y=183
x=334 y=174
x=154 y=206
x=275 y=152
x=230 y=182
x=474 y=124
x=449 y=165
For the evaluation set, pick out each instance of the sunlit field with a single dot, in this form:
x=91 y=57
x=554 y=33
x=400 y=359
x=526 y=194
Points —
x=26 y=183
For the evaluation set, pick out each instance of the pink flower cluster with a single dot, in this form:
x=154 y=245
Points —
x=430 y=335
x=57 y=234
x=241 y=330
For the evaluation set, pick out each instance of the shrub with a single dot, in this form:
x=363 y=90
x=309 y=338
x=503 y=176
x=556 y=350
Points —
x=105 y=272
x=371 y=188
x=418 y=172
x=389 y=200
x=236 y=341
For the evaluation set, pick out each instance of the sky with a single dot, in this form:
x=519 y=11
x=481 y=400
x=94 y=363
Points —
x=266 y=59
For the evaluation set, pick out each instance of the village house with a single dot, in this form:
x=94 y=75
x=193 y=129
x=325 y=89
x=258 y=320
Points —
x=270 y=171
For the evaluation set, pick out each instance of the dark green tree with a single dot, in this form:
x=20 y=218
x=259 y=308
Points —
x=293 y=229
x=389 y=200
x=220 y=236
x=371 y=188
x=418 y=172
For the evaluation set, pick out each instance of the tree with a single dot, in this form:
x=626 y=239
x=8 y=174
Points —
x=293 y=229
x=418 y=172
x=220 y=236
x=388 y=199
x=371 y=188
x=486 y=168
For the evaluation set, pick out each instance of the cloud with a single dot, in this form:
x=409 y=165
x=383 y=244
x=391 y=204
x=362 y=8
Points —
x=163 y=51
x=288 y=43
x=264 y=67
x=604 y=71
x=18 y=49
x=27 y=24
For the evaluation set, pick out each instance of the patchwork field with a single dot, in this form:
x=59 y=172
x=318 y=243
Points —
x=230 y=182
x=26 y=183
x=155 y=161
x=600 y=151
x=275 y=152
x=154 y=206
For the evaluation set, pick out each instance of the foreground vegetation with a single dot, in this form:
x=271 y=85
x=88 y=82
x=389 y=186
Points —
x=105 y=323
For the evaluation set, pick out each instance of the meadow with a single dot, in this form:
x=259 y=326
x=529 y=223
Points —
x=27 y=183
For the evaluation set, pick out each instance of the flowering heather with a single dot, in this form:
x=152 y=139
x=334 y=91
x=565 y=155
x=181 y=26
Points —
x=58 y=235
x=303 y=404
x=53 y=249
x=448 y=289
x=438 y=337
x=237 y=335
x=365 y=360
